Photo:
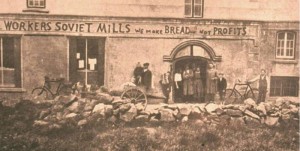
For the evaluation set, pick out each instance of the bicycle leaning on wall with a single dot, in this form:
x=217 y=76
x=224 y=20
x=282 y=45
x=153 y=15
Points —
x=48 y=92
x=240 y=92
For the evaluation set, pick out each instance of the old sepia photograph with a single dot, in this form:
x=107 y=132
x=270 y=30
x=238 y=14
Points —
x=149 y=75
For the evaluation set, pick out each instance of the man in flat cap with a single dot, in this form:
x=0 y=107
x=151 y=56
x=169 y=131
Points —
x=221 y=85
x=146 y=77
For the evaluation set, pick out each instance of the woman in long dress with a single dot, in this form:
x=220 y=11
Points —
x=211 y=83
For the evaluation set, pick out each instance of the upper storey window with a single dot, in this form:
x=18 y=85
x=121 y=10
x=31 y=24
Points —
x=285 y=48
x=193 y=8
x=36 y=3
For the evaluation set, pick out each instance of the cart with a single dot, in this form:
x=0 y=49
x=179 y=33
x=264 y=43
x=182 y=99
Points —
x=136 y=95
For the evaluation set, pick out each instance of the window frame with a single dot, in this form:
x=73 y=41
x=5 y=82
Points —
x=192 y=7
x=34 y=6
x=283 y=85
x=17 y=63
x=284 y=56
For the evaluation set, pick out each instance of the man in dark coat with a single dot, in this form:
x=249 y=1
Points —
x=147 y=77
x=138 y=71
x=221 y=85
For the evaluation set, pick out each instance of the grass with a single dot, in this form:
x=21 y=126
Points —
x=17 y=133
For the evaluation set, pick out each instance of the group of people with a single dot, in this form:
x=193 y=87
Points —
x=142 y=75
x=193 y=85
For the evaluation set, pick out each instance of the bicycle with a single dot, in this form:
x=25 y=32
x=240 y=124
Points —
x=234 y=94
x=44 y=91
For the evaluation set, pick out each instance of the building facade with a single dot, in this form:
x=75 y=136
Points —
x=100 y=42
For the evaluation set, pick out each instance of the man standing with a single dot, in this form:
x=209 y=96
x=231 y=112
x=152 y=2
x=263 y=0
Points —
x=222 y=85
x=263 y=85
x=187 y=77
x=146 y=77
x=138 y=71
x=198 y=87
x=211 y=85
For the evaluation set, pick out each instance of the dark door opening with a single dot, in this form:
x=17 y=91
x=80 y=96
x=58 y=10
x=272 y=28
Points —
x=192 y=62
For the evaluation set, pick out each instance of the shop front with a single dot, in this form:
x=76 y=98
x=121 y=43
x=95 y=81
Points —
x=105 y=51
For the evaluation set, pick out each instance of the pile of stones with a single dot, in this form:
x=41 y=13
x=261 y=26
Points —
x=103 y=106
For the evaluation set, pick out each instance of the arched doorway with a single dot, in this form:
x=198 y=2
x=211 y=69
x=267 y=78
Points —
x=194 y=54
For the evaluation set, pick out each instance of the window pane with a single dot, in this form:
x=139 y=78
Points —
x=92 y=54
x=8 y=52
x=42 y=3
x=80 y=53
x=197 y=10
x=188 y=1
x=290 y=36
x=198 y=1
x=187 y=10
x=280 y=36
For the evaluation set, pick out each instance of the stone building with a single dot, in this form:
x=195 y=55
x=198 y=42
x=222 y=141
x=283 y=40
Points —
x=100 y=42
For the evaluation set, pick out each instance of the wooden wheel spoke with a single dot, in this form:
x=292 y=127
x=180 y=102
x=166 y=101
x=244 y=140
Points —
x=139 y=96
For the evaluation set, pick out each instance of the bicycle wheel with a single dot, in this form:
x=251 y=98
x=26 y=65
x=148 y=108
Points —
x=253 y=95
x=40 y=94
x=230 y=96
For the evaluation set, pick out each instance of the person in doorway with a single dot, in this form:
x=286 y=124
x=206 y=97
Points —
x=222 y=85
x=188 y=76
x=262 y=85
x=211 y=84
x=198 y=86
x=166 y=86
x=137 y=73
x=178 y=83
x=146 y=77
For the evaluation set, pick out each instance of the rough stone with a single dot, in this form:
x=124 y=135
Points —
x=234 y=113
x=82 y=122
x=294 y=101
x=219 y=111
x=124 y=107
x=139 y=107
x=71 y=115
x=211 y=107
x=251 y=114
x=57 y=108
x=55 y=126
x=142 y=118
x=44 y=113
x=185 y=119
x=261 y=107
x=86 y=114
x=66 y=100
x=88 y=108
x=74 y=107
x=166 y=115
x=294 y=109
x=108 y=110
x=99 y=108
x=250 y=102
x=40 y=123
x=130 y=114
x=201 y=107
x=271 y=121
x=252 y=121
x=185 y=110
x=112 y=119
x=154 y=119
x=199 y=122
x=279 y=102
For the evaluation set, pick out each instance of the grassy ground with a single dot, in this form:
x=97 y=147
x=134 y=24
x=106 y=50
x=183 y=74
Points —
x=17 y=133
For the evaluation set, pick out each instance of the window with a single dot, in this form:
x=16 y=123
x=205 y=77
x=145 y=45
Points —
x=36 y=3
x=87 y=60
x=10 y=75
x=284 y=86
x=192 y=50
x=285 y=47
x=193 y=8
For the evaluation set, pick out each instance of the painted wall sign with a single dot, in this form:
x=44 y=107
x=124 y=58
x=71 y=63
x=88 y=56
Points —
x=109 y=28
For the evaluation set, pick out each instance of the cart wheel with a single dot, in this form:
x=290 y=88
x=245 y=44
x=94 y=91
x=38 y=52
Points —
x=230 y=96
x=254 y=96
x=40 y=94
x=135 y=96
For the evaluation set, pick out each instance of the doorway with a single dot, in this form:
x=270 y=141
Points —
x=179 y=66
